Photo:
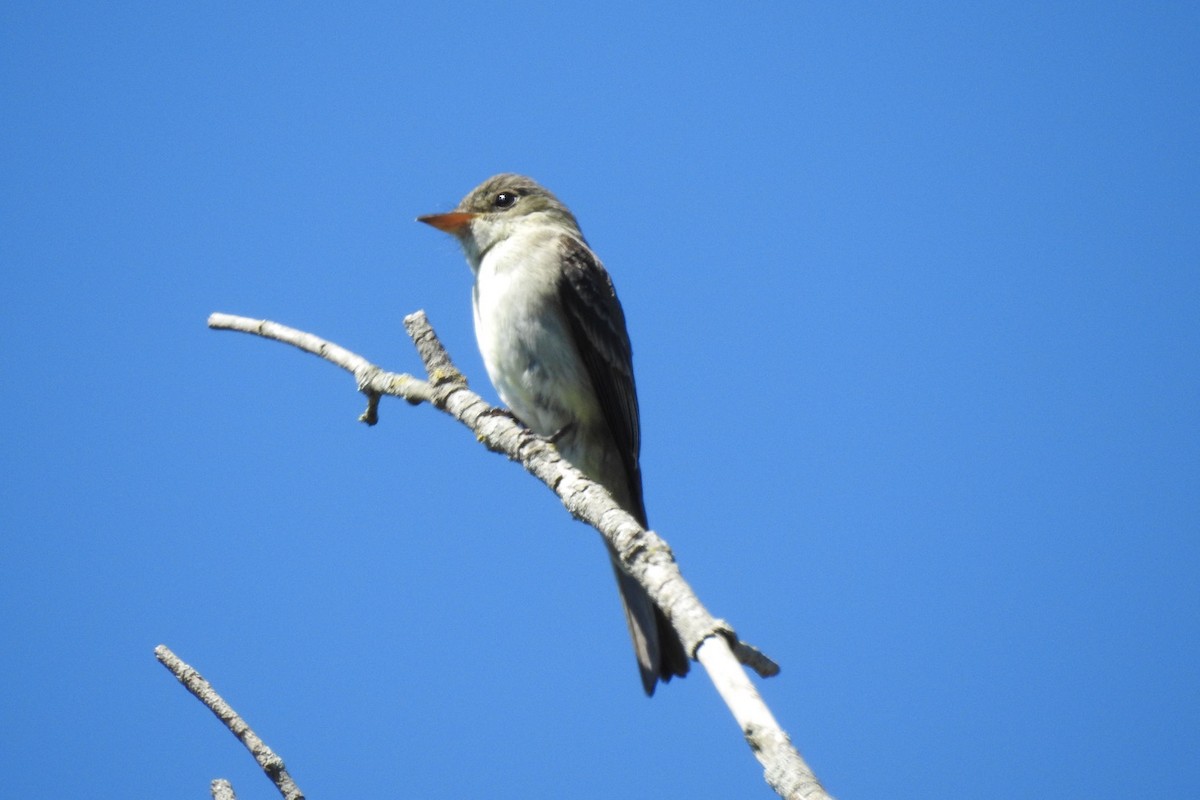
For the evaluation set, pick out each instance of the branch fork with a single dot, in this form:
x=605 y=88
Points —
x=643 y=553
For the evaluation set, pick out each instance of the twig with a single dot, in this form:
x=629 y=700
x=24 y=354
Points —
x=205 y=693
x=643 y=554
x=372 y=381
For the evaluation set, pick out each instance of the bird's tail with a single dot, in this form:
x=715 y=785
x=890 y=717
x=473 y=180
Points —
x=660 y=653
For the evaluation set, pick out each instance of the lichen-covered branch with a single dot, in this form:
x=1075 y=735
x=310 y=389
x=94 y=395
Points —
x=643 y=553
x=271 y=764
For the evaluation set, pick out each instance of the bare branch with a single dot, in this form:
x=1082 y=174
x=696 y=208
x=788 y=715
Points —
x=222 y=790
x=643 y=554
x=271 y=764
x=783 y=767
x=372 y=381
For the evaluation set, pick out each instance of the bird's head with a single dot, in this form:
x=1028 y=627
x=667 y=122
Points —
x=498 y=208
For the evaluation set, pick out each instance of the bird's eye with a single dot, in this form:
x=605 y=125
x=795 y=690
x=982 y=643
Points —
x=506 y=199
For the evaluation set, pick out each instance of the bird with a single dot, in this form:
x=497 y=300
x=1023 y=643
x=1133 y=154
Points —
x=553 y=338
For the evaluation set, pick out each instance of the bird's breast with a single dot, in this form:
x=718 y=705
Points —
x=526 y=344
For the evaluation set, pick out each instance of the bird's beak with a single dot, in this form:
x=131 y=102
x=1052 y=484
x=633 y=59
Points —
x=452 y=222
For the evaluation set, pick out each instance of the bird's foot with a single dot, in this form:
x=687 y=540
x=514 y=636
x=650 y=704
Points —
x=560 y=433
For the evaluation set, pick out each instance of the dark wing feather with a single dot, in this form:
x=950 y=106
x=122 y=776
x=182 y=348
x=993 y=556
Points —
x=598 y=325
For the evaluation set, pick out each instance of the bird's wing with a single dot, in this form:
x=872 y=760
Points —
x=598 y=325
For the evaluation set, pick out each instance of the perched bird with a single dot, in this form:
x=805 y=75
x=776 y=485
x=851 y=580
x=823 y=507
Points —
x=552 y=335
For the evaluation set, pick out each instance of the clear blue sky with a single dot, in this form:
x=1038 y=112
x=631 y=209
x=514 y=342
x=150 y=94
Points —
x=915 y=302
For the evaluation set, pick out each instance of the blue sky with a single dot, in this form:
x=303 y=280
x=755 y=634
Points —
x=913 y=294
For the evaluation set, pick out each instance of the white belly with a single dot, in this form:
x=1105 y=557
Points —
x=526 y=344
